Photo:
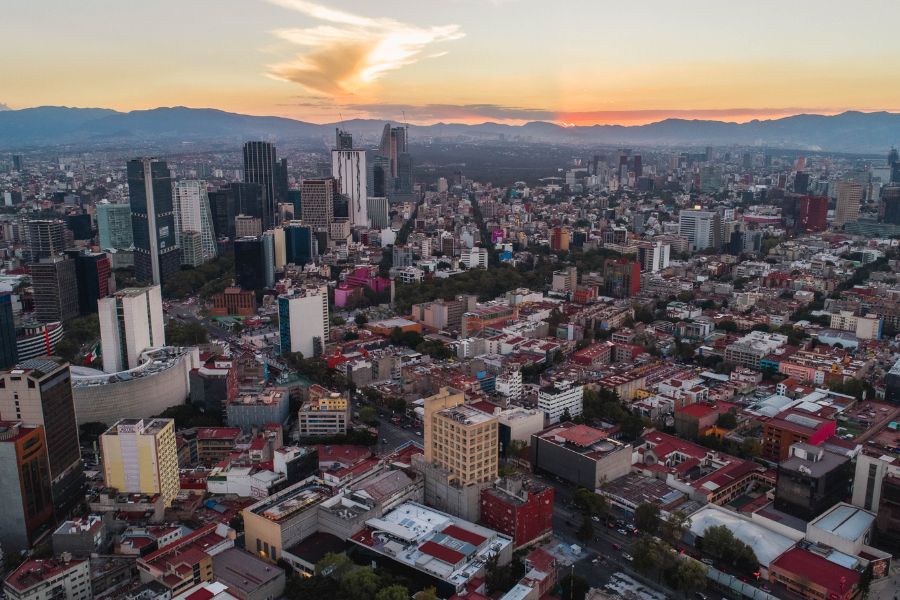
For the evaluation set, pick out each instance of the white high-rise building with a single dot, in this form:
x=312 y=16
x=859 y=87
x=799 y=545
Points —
x=474 y=258
x=349 y=168
x=192 y=214
x=698 y=227
x=131 y=321
x=653 y=256
x=303 y=320
x=559 y=398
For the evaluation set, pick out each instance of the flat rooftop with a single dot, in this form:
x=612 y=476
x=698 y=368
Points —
x=466 y=414
x=845 y=521
x=298 y=497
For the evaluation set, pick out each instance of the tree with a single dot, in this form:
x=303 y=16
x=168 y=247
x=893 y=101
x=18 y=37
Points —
x=360 y=583
x=333 y=565
x=673 y=528
x=690 y=575
x=750 y=447
x=429 y=593
x=720 y=544
x=586 y=531
x=865 y=582
x=590 y=503
x=361 y=318
x=189 y=333
x=727 y=420
x=646 y=518
x=367 y=414
x=393 y=592
x=727 y=325
x=398 y=405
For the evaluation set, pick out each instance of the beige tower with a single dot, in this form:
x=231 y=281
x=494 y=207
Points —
x=849 y=195
x=461 y=439
x=141 y=456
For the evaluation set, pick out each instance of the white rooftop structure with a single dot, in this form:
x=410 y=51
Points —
x=766 y=543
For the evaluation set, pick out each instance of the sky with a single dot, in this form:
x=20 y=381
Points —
x=464 y=61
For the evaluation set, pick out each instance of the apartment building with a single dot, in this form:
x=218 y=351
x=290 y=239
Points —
x=460 y=438
x=141 y=456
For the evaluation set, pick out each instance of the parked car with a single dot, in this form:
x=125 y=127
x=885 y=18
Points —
x=627 y=556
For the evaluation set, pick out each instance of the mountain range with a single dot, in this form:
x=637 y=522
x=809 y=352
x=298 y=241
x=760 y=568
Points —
x=855 y=132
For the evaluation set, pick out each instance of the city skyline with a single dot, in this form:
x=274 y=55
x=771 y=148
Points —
x=425 y=63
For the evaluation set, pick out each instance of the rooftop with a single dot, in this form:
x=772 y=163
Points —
x=766 y=543
x=243 y=572
x=817 y=569
x=34 y=572
x=845 y=521
x=300 y=496
x=466 y=414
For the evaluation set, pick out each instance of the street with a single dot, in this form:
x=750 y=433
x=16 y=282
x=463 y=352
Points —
x=395 y=435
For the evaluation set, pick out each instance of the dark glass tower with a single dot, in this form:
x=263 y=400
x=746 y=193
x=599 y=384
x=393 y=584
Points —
x=156 y=253
x=298 y=244
x=92 y=271
x=260 y=168
x=8 y=356
x=250 y=263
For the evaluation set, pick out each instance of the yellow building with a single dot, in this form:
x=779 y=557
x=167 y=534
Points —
x=461 y=439
x=141 y=456
x=324 y=414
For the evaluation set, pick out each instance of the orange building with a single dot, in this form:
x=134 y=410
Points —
x=28 y=506
x=234 y=301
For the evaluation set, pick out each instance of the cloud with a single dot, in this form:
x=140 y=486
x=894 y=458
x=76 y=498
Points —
x=348 y=51
x=472 y=113
x=4 y=106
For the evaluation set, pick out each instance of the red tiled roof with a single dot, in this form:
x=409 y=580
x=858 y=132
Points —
x=697 y=410
x=581 y=435
x=817 y=569
x=442 y=553
x=464 y=535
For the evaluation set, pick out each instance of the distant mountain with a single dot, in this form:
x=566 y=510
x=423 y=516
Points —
x=53 y=125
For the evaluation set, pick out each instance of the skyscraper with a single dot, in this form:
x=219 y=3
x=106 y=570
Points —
x=317 y=208
x=621 y=278
x=192 y=214
x=849 y=195
x=268 y=248
x=303 y=320
x=379 y=180
x=259 y=168
x=698 y=226
x=92 y=271
x=46 y=238
x=156 y=254
x=54 y=281
x=246 y=199
x=348 y=167
x=140 y=456
x=342 y=140
x=890 y=204
x=114 y=226
x=249 y=263
x=38 y=391
x=221 y=209
x=25 y=474
x=811 y=214
x=298 y=242
x=395 y=148
x=377 y=208
x=131 y=321
x=8 y=355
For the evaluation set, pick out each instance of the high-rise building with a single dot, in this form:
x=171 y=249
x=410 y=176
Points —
x=221 y=209
x=246 y=199
x=394 y=147
x=38 y=391
x=92 y=271
x=380 y=182
x=801 y=183
x=303 y=320
x=654 y=256
x=342 y=140
x=55 y=286
x=17 y=162
x=80 y=226
x=114 y=226
x=259 y=168
x=246 y=225
x=131 y=321
x=299 y=244
x=460 y=438
x=811 y=214
x=621 y=278
x=559 y=239
x=268 y=246
x=348 y=167
x=890 y=204
x=849 y=195
x=140 y=456
x=8 y=354
x=46 y=238
x=699 y=227
x=25 y=477
x=377 y=209
x=249 y=263
x=317 y=209
x=193 y=215
x=156 y=254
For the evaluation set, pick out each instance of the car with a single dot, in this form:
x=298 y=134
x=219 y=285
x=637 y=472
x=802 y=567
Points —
x=700 y=596
x=611 y=525
x=707 y=561
x=617 y=547
x=595 y=519
x=384 y=440
x=766 y=589
x=622 y=532
x=595 y=561
x=627 y=556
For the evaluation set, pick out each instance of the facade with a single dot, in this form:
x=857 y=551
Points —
x=317 y=206
x=325 y=416
x=161 y=380
x=811 y=481
x=46 y=238
x=80 y=537
x=193 y=216
x=698 y=226
x=25 y=480
x=141 y=457
x=560 y=397
x=866 y=327
x=811 y=214
x=247 y=226
x=92 y=271
x=299 y=243
x=521 y=509
x=849 y=196
x=872 y=468
x=8 y=347
x=234 y=301
x=38 y=339
x=259 y=168
x=38 y=391
x=214 y=385
x=377 y=210
x=621 y=278
x=813 y=577
x=460 y=438
x=653 y=256
x=304 y=323
x=114 y=226
x=348 y=167
x=474 y=258
x=580 y=454
x=131 y=322
x=58 y=579
x=791 y=426
x=255 y=411
x=55 y=284
x=250 y=263
x=156 y=253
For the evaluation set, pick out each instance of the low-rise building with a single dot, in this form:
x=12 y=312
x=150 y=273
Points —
x=248 y=577
x=519 y=508
x=58 y=579
x=753 y=347
x=187 y=561
x=324 y=416
x=80 y=537
x=559 y=398
x=255 y=411
x=813 y=577
x=580 y=454
x=811 y=480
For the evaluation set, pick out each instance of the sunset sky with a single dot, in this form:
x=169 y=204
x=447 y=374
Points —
x=566 y=61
